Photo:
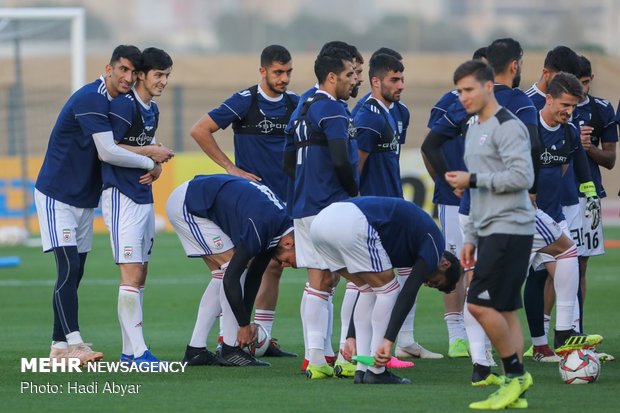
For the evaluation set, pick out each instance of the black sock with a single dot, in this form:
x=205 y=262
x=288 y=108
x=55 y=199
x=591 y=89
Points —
x=512 y=366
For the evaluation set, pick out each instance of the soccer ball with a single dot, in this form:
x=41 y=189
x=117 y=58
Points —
x=259 y=347
x=580 y=367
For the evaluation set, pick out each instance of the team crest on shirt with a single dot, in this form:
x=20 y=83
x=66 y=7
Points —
x=128 y=251
x=351 y=130
x=66 y=234
x=483 y=138
x=218 y=243
x=452 y=248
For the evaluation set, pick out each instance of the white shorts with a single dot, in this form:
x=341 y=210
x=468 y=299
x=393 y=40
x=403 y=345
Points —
x=63 y=225
x=574 y=219
x=592 y=240
x=307 y=254
x=547 y=232
x=451 y=228
x=131 y=226
x=199 y=236
x=344 y=238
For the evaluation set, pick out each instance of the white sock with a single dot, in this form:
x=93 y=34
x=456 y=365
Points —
x=327 y=346
x=60 y=344
x=302 y=309
x=346 y=311
x=363 y=322
x=265 y=318
x=74 y=338
x=208 y=310
x=406 y=334
x=456 y=326
x=477 y=338
x=130 y=317
x=316 y=313
x=546 y=324
x=566 y=284
x=576 y=316
x=228 y=321
x=539 y=341
x=386 y=297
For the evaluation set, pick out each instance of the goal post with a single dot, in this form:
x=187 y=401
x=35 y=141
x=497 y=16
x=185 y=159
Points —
x=76 y=16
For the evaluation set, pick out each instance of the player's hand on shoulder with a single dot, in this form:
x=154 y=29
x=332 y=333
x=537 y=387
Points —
x=160 y=153
x=236 y=171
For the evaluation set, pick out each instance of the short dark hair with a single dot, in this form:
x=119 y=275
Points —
x=565 y=83
x=480 y=53
x=387 y=51
x=453 y=274
x=585 y=67
x=381 y=64
x=274 y=53
x=129 y=52
x=337 y=44
x=562 y=59
x=155 y=59
x=478 y=68
x=330 y=60
x=502 y=52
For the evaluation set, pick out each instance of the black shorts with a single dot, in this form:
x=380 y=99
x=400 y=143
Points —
x=501 y=268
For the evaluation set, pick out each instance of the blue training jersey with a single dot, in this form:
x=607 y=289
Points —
x=455 y=120
x=557 y=152
x=399 y=111
x=71 y=170
x=316 y=183
x=538 y=97
x=406 y=231
x=453 y=150
x=259 y=122
x=247 y=211
x=377 y=134
x=134 y=124
x=605 y=131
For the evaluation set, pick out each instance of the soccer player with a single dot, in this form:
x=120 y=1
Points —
x=505 y=56
x=324 y=166
x=127 y=198
x=501 y=225
x=350 y=295
x=259 y=115
x=448 y=208
x=538 y=291
x=234 y=224
x=560 y=139
x=68 y=189
x=599 y=136
x=377 y=234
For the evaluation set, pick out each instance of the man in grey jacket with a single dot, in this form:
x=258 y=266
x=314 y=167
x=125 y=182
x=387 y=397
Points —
x=501 y=227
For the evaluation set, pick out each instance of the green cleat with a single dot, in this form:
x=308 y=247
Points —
x=508 y=393
x=458 y=348
x=319 y=372
x=529 y=352
x=520 y=403
x=491 y=380
x=576 y=341
x=344 y=369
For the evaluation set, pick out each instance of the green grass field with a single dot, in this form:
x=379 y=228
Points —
x=173 y=291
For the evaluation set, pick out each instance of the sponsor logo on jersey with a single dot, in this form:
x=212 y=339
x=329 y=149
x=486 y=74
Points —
x=128 y=251
x=351 y=129
x=547 y=158
x=140 y=140
x=66 y=234
x=218 y=243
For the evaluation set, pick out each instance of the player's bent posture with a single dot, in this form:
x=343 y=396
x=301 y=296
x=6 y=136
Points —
x=324 y=166
x=376 y=235
x=258 y=115
x=497 y=155
x=127 y=198
x=69 y=186
x=234 y=224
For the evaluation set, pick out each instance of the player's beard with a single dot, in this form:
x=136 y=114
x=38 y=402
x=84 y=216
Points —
x=516 y=81
x=272 y=88
x=355 y=90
